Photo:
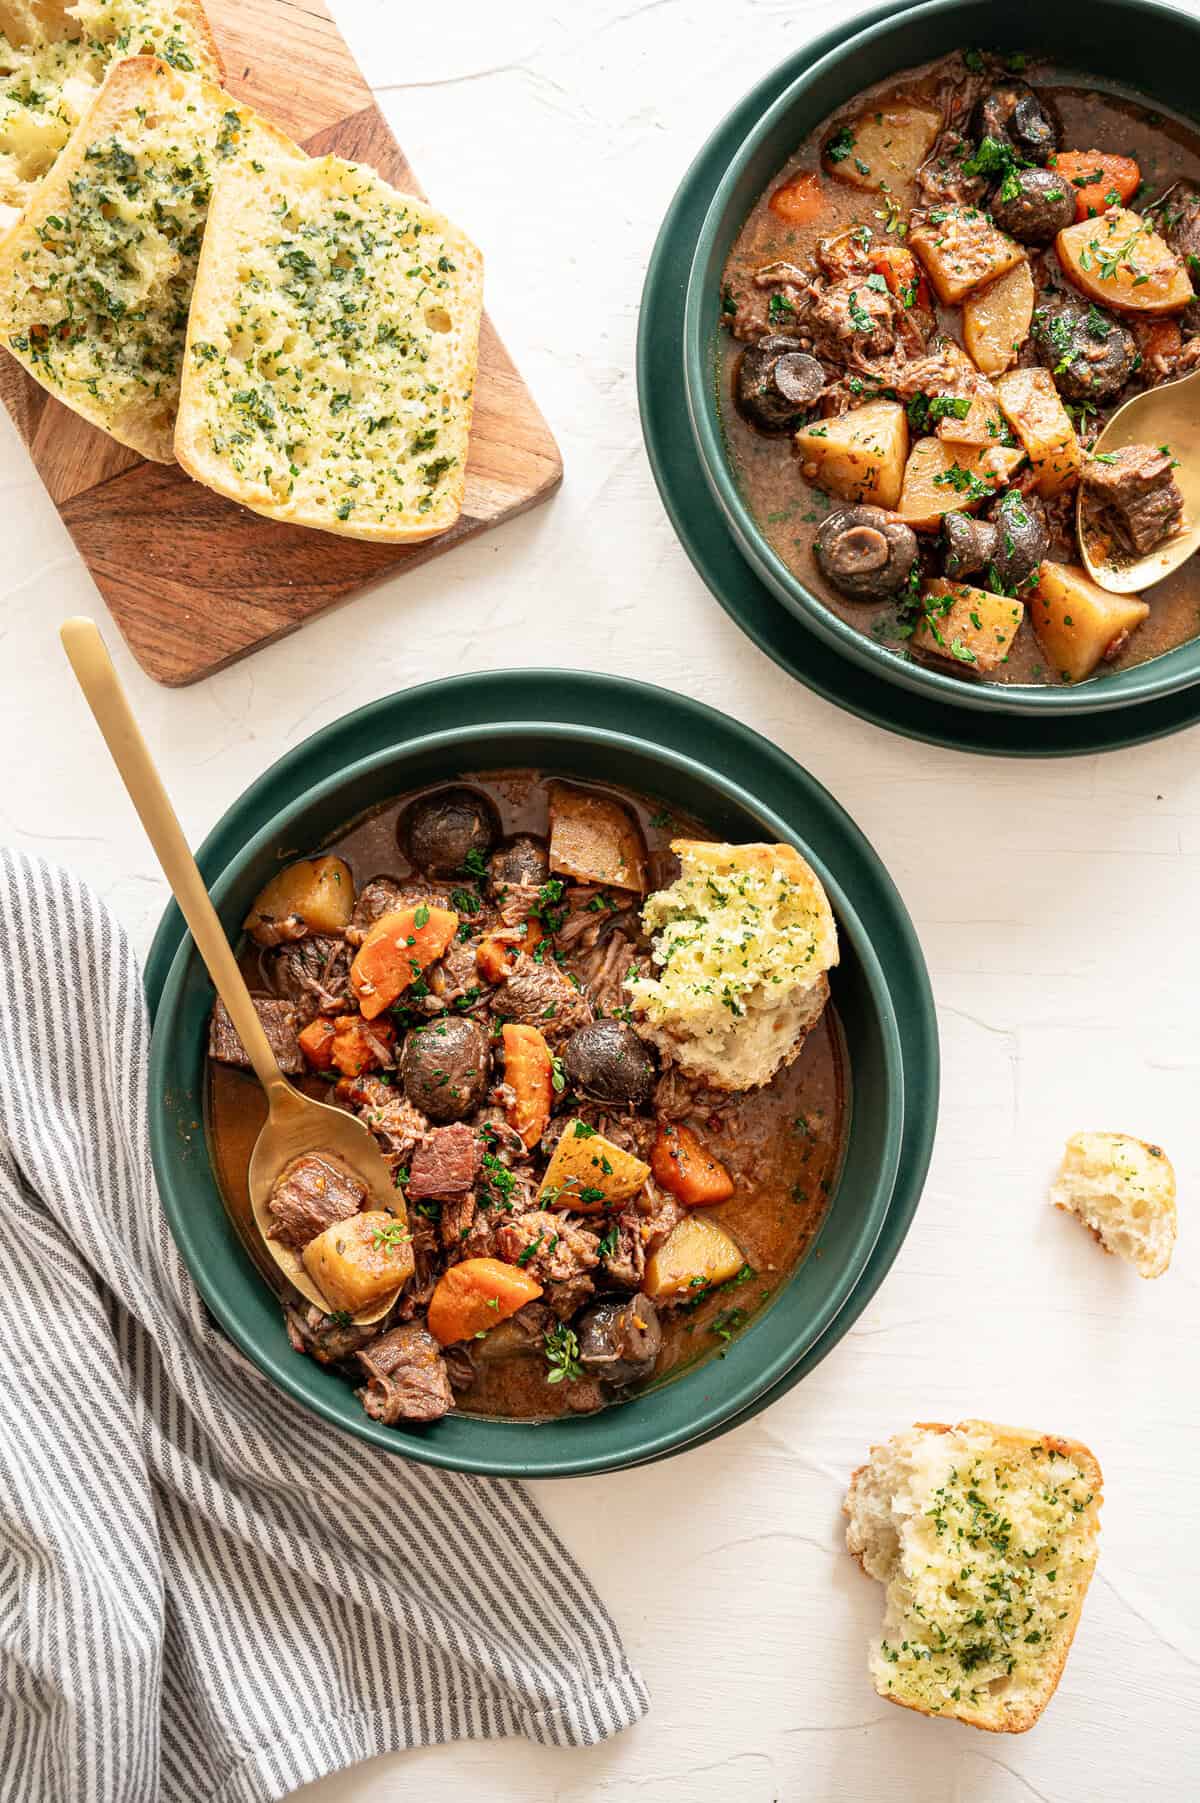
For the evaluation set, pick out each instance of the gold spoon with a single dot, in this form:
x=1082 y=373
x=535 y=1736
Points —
x=296 y=1124
x=1162 y=416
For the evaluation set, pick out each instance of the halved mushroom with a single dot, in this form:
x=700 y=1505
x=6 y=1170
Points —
x=1012 y=113
x=620 y=1340
x=865 y=553
x=776 y=381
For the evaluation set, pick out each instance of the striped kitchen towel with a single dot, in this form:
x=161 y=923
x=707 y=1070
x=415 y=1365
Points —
x=204 y=1592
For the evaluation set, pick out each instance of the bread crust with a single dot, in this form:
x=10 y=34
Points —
x=1015 y=1440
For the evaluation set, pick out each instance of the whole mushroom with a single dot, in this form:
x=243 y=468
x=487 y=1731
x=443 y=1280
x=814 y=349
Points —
x=1042 y=205
x=1090 y=354
x=865 y=553
x=607 y=1061
x=445 y=828
x=776 y=380
x=1022 y=538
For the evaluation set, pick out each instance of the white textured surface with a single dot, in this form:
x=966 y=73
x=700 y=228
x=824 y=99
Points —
x=1056 y=904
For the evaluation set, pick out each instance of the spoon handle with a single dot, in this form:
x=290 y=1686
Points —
x=107 y=699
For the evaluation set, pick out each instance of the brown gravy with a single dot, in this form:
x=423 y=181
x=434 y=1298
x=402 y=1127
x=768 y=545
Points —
x=782 y=1145
x=788 y=510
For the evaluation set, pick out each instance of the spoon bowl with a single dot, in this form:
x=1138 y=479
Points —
x=1162 y=416
x=297 y=1125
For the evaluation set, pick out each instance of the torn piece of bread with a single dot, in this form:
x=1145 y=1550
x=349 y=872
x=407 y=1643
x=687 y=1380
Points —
x=1124 y=1190
x=96 y=280
x=53 y=59
x=330 y=370
x=742 y=941
x=986 y=1538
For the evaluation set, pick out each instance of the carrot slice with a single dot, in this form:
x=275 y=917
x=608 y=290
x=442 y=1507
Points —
x=1100 y=178
x=682 y=1164
x=903 y=274
x=494 y=956
x=800 y=201
x=316 y=1042
x=473 y=1296
x=396 y=951
x=357 y=1047
x=529 y=1073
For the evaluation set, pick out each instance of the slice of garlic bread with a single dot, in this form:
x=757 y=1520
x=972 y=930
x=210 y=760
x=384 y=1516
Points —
x=330 y=369
x=986 y=1538
x=742 y=941
x=96 y=280
x=1124 y=1190
x=53 y=59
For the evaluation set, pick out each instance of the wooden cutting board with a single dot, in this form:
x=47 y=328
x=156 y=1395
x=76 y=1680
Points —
x=194 y=581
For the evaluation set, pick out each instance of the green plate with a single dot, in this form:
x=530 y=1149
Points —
x=885 y=1000
x=814 y=660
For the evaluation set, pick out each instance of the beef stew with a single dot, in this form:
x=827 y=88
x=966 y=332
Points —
x=930 y=315
x=541 y=1146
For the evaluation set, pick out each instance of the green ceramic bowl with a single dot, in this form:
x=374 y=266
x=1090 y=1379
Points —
x=806 y=1310
x=1111 y=39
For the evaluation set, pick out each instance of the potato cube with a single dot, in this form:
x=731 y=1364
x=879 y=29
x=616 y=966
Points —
x=885 y=147
x=357 y=1263
x=968 y=627
x=317 y=891
x=695 y=1254
x=1034 y=410
x=593 y=839
x=962 y=250
x=1077 y=623
x=996 y=320
x=951 y=478
x=589 y=1172
x=1120 y=261
x=858 y=455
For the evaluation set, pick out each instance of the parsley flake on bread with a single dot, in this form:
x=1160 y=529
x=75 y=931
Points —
x=986 y=1538
x=96 y=280
x=330 y=371
x=742 y=941
x=53 y=59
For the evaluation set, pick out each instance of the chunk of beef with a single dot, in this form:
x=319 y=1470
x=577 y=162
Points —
x=942 y=180
x=547 y=1246
x=314 y=975
x=444 y=1163
x=457 y=1220
x=564 y=1298
x=1177 y=217
x=604 y=970
x=623 y=1251
x=855 y=323
x=660 y=1213
x=310 y=1194
x=454 y=979
x=388 y=1113
x=406 y=1377
x=460 y=1367
x=778 y=299
x=383 y=895
x=515 y=902
x=279 y=1024
x=1134 y=490
x=539 y=995
x=325 y=1339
